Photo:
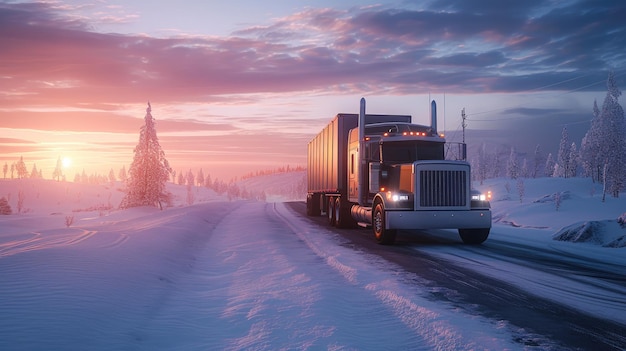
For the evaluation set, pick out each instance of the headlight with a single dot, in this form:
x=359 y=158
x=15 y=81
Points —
x=396 y=197
x=481 y=196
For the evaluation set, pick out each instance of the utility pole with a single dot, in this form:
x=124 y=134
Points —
x=463 y=124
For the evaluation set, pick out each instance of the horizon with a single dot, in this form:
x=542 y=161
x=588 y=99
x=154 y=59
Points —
x=241 y=87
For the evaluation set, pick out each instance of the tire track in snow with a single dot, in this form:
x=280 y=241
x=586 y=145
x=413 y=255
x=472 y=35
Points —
x=434 y=324
x=48 y=240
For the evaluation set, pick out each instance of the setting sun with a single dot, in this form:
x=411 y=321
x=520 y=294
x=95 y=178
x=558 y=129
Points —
x=67 y=162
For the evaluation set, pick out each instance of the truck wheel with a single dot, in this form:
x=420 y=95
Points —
x=383 y=236
x=474 y=236
x=331 y=211
x=312 y=205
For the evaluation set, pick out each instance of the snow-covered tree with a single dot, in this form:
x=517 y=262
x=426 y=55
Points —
x=524 y=170
x=549 y=168
x=615 y=138
x=538 y=160
x=112 y=176
x=200 y=178
x=512 y=169
x=190 y=179
x=181 y=178
x=58 y=170
x=573 y=161
x=5 y=208
x=5 y=169
x=149 y=171
x=481 y=169
x=122 y=174
x=604 y=145
x=34 y=173
x=20 y=167
x=207 y=182
x=563 y=157
x=590 y=147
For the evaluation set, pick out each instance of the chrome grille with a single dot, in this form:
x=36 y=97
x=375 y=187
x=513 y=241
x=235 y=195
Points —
x=443 y=188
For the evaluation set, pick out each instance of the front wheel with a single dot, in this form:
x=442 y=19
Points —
x=474 y=236
x=383 y=236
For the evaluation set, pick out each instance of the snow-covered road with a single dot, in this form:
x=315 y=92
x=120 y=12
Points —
x=221 y=275
x=267 y=280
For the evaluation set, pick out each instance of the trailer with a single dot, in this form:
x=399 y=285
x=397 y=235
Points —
x=384 y=172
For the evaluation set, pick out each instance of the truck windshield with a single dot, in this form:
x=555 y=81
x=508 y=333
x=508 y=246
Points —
x=409 y=151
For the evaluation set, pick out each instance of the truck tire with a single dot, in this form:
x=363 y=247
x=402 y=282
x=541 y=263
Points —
x=474 y=236
x=331 y=211
x=343 y=217
x=313 y=205
x=383 y=236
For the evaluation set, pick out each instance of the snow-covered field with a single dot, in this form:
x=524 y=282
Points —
x=232 y=275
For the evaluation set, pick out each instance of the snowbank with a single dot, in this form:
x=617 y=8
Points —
x=569 y=209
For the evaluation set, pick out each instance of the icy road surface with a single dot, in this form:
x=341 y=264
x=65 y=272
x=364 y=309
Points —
x=233 y=275
x=247 y=275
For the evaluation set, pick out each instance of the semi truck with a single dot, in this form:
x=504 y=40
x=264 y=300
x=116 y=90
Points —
x=384 y=172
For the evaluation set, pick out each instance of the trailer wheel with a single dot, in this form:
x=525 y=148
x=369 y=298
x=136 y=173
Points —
x=383 y=236
x=312 y=205
x=474 y=236
x=331 y=212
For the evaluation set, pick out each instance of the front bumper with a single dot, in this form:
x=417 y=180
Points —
x=467 y=219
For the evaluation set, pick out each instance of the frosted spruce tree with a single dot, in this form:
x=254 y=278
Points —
x=590 y=152
x=563 y=157
x=512 y=169
x=149 y=171
x=604 y=148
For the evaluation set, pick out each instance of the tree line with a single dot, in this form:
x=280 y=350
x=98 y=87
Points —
x=600 y=156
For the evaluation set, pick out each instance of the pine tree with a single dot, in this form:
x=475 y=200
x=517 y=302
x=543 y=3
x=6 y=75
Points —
x=190 y=179
x=524 y=169
x=207 y=182
x=5 y=169
x=615 y=138
x=573 y=161
x=549 y=168
x=112 y=176
x=512 y=170
x=34 y=173
x=538 y=161
x=563 y=158
x=58 y=172
x=482 y=164
x=21 y=168
x=181 y=179
x=590 y=147
x=149 y=171
x=200 y=178
x=5 y=208
x=122 y=174
x=603 y=148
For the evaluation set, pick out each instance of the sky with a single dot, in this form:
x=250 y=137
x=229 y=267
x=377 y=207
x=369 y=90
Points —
x=241 y=86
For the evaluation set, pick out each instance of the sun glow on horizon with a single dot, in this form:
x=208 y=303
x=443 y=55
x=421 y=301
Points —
x=66 y=162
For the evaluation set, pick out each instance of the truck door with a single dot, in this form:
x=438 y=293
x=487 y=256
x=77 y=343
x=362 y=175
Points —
x=353 y=174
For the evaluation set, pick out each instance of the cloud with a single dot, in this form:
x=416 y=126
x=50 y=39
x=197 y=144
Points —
x=50 y=57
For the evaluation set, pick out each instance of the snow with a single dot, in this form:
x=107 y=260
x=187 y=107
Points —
x=234 y=275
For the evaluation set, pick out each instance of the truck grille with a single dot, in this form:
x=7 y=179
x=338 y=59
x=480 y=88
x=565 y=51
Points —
x=443 y=188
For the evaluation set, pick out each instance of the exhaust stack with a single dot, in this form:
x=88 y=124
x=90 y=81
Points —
x=433 y=116
x=362 y=163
